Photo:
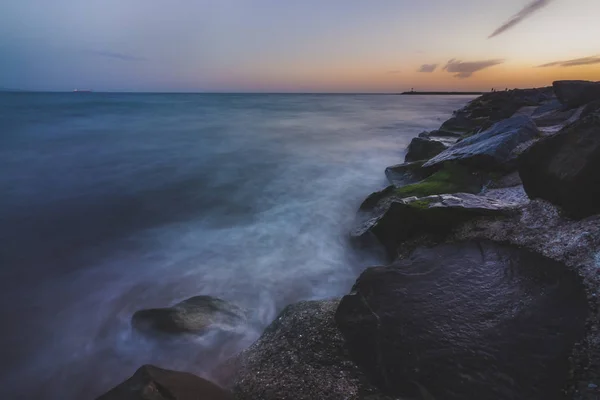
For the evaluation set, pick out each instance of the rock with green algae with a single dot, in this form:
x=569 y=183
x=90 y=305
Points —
x=407 y=173
x=435 y=215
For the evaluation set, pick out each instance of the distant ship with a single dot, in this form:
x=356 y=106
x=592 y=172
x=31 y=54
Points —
x=82 y=91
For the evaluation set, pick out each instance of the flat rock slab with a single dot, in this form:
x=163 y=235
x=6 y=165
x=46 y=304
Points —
x=492 y=149
x=301 y=356
x=474 y=320
x=153 y=383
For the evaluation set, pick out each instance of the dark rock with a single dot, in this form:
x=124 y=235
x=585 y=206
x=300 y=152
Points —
x=466 y=321
x=493 y=149
x=563 y=168
x=152 y=383
x=407 y=173
x=433 y=215
x=423 y=149
x=374 y=198
x=576 y=93
x=195 y=315
x=302 y=356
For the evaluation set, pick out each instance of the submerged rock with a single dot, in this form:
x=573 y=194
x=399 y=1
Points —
x=302 y=356
x=564 y=168
x=423 y=149
x=195 y=315
x=466 y=321
x=493 y=149
x=576 y=93
x=431 y=215
x=152 y=383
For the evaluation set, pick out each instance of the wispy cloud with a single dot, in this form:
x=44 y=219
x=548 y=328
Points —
x=573 y=63
x=427 y=68
x=115 y=55
x=467 y=69
x=519 y=17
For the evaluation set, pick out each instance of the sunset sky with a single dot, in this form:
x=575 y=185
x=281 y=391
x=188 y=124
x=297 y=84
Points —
x=297 y=46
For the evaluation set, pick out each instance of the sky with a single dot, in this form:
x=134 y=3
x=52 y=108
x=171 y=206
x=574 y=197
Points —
x=296 y=46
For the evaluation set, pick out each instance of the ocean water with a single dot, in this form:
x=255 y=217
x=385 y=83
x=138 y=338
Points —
x=111 y=203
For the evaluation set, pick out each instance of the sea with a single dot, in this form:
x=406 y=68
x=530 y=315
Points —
x=112 y=203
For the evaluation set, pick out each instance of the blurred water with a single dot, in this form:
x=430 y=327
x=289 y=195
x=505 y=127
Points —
x=115 y=202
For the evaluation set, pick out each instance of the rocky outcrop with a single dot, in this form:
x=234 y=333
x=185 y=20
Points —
x=576 y=93
x=432 y=215
x=494 y=149
x=195 y=315
x=486 y=110
x=302 y=356
x=423 y=149
x=466 y=321
x=152 y=383
x=563 y=168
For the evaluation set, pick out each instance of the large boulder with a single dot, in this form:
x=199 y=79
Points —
x=435 y=215
x=494 y=149
x=466 y=321
x=152 y=383
x=423 y=149
x=302 y=356
x=195 y=315
x=564 y=168
x=576 y=93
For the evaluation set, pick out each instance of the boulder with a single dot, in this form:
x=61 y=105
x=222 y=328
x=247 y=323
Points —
x=195 y=315
x=432 y=215
x=472 y=320
x=423 y=149
x=152 y=383
x=302 y=356
x=494 y=149
x=407 y=173
x=576 y=93
x=563 y=168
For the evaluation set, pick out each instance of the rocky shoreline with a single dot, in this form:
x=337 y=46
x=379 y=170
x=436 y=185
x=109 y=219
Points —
x=492 y=228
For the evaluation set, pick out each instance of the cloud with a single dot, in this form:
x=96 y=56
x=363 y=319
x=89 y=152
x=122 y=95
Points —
x=467 y=69
x=115 y=55
x=573 y=63
x=519 y=17
x=427 y=68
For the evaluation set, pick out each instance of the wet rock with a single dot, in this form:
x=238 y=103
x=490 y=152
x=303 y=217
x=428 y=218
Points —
x=563 y=168
x=423 y=149
x=195 y=315
x=466 y=321
x=407 y=173
x=375 y=198
x=432 y=215
x=302 y=356
x=152 y=383
x=576 y=93
x=493 y=149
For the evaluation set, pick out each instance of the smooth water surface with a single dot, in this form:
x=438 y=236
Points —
x=111 y=203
